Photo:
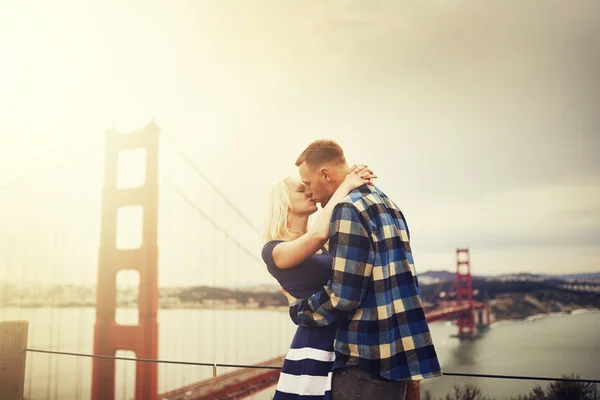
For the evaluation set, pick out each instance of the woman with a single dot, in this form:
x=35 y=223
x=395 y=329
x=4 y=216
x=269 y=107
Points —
x=296 y=257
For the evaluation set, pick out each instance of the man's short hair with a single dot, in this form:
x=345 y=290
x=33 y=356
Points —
x=321 y=152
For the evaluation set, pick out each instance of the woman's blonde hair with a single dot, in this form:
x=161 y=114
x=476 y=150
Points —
x=279 y=210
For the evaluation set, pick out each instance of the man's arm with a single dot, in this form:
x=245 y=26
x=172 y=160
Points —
x=351 y=248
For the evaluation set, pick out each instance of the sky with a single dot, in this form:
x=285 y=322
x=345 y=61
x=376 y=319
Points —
x=480 y=119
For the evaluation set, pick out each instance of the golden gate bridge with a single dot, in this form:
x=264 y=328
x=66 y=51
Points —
x=45 y=232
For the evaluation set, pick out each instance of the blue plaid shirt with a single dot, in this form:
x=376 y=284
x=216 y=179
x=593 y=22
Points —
x=373 y=297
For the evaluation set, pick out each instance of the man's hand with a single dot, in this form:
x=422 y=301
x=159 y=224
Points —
x=290 y=298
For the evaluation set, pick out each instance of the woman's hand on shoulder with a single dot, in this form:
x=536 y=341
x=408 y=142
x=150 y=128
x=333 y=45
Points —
x=359 y=175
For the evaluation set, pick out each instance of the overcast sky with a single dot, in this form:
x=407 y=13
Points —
x=480 y=118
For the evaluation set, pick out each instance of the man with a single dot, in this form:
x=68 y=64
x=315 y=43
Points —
x=383 y=346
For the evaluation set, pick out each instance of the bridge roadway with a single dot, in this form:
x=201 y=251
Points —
x=450 y=312
x=244 y=382
x=232 y=385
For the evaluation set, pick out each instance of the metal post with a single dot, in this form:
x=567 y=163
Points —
x=13 y=342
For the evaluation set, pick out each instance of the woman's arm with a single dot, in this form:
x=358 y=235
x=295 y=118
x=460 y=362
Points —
x=289 y=254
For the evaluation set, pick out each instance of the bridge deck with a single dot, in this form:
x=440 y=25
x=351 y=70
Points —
x=450 y=312
x=233 y=385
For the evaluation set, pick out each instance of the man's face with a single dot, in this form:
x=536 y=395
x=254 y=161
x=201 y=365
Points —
x=314 y=183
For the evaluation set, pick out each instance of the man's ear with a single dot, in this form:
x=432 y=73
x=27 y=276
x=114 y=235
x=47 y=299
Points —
x=325 y=174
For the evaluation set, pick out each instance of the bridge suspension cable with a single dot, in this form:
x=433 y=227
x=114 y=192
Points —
x=196 y=208
x=49 y=167
x=49 y=153
x=202 y=175
x=44 y=234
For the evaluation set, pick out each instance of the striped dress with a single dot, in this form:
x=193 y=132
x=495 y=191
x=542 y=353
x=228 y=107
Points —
x=308 y=366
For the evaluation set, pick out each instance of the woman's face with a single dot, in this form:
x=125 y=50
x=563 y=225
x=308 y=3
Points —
x=302 y=201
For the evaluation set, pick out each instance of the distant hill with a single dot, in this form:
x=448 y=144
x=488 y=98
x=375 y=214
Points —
x=435 y=274
x=586 y=276
x=262 y=288
x=429 y=277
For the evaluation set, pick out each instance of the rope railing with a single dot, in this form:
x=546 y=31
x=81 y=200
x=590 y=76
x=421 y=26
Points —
x=216 y=365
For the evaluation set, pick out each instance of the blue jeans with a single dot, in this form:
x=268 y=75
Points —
x=354 y=383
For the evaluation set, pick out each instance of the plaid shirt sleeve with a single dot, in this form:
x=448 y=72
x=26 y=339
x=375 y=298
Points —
x=352 y=251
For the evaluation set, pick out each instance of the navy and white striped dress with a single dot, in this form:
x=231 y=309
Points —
x=308 y=366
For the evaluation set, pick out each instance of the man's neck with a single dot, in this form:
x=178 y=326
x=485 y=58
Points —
x=338 y=175
x=336 y=182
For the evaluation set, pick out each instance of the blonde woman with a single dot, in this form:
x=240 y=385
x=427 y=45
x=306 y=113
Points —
x=296 y=257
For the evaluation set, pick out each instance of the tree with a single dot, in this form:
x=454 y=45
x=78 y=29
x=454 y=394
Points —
x=560 y=390
x=466 y=392
x=563 y=390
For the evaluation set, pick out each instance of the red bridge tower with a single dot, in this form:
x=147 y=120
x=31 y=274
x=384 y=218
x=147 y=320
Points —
x=464 y=293
x=109 y=336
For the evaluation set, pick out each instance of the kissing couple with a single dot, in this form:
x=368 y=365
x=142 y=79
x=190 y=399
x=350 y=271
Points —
x=351 y=284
